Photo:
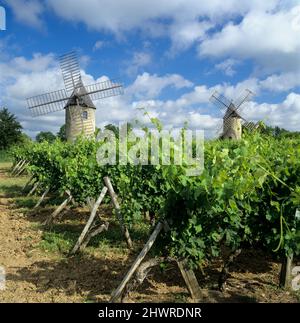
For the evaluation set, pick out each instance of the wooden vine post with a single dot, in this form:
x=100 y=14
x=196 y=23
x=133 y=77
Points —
x=285 y=278
x=114 y=199
x=190 y=280
x=42 y=198
x=22 y=168
x=84 y=234
x=60 y=208
x=187 y=273
x=117 y=293
x=286 y=272
x=35 y=187
x=16 y=166
x=27 y=184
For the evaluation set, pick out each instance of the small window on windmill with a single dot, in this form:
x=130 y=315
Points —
x=84 y=115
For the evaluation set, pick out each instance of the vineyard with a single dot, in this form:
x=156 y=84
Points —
x=246 y=197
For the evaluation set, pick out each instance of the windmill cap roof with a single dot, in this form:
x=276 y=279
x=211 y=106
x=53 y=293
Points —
x=84 y=100
x=232 y=112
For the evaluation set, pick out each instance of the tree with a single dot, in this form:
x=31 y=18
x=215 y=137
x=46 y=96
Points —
x=62 y=133
x=10 y=129
x=45 y=136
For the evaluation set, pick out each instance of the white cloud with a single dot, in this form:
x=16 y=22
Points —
x=99 y=44
x=269 y=38
x=150 y=86
x=185 y=34
x=27 y=11
x=284 y=114
x=227 y=66
x=281 y=82
x=139 y=60
x=184 y=21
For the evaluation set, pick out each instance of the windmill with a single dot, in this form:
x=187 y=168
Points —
x=232 y=120
x=76 y=99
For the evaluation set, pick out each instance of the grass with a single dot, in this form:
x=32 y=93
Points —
x=4 y=156
x=11 y=187
x=57 y=242
x=26 y=202
x=60 y=238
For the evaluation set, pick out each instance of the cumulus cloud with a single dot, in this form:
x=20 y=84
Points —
x=281 y=82
x=227 y=66
x=98 y=45
x=185 y=21
x=284 y=114
x=139 y=60
x=269 y=38
x=28 y=12
x=150 y=86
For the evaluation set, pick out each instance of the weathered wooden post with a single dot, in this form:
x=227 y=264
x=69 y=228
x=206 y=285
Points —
x=116 y=204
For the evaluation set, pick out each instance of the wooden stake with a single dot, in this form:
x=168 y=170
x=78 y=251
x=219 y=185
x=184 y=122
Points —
x=93 y=233
x=51 y=218
x=27 y=184
x=16 y=166
x=141 y=273
x=35 y=187
x=42 y=198
x=68 y=192
x=113 y=196
x=89 y=222
x=90 y=203
x=285 y=273
x=190 y=280
x=116 y=294
x=21 y=170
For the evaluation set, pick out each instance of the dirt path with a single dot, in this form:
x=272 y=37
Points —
x=20 y=257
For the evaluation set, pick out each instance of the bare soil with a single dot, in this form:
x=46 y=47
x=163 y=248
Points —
x=34 y=275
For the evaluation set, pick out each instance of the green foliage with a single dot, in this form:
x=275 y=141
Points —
x=247 y=194
x=279 y=132
x=62 y=133
x=10 y=129
x=45 y=136
x=4 y=156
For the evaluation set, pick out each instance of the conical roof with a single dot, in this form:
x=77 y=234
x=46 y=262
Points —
x=80 y=94
x=231 y=112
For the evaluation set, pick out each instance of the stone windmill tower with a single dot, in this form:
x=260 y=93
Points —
x=76 y=99
x=232 y=120
x=80 y=115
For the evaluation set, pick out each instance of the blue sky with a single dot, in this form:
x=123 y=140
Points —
x=170 y=55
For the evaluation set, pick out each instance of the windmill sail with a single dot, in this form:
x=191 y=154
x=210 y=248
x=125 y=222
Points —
x=71 y=71
x=47 y=103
